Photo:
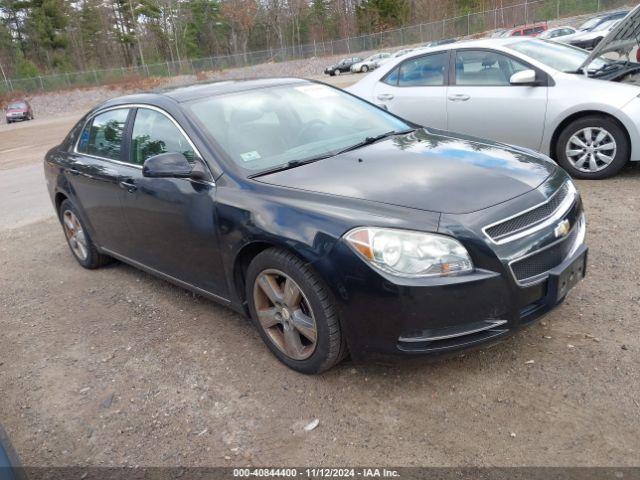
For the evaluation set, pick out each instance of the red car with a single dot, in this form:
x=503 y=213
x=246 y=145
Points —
x=531 y=30
x=18 y=110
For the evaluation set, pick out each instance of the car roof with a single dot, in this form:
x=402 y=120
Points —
x=201 y=90
x=477 y=43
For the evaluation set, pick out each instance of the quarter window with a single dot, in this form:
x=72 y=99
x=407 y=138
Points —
x=102 y=136
x=485 y=68
x=153 y=133
x=428 y=70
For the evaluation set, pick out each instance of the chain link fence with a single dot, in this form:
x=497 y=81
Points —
x=460 y=26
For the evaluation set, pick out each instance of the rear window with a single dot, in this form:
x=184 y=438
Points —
x=102 y=136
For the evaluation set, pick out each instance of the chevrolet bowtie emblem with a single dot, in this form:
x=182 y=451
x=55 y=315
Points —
x=562 y=229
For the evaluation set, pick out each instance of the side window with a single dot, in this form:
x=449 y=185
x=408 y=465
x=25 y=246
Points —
x=485 y=68
x=102 y=136
x=423 y=71
x=153 y=133
x=392 y=77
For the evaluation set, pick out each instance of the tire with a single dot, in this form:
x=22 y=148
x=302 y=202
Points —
x=280 y=270
x=9 y=121
x=580 y=164
x=364 y=69
x=337 y=72
x=92 y=258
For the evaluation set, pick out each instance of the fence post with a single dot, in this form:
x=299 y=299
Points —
x=598 y=6
x=443 y=32
x=41 y=84
x=558 y=9
x=468 y=23
x=526 y=13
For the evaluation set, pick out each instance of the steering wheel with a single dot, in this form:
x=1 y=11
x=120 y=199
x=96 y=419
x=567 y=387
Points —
x=315 y=123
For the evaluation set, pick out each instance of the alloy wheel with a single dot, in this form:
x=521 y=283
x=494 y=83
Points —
x=591 y=149
x=284 y=313
x=75 y=235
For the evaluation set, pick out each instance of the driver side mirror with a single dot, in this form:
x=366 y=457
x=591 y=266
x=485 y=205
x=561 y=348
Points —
x=525 y=77
x=167 y=165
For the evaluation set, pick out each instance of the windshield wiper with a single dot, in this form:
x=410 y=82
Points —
x=299 y=163
x=291 y=164
x=373 y=139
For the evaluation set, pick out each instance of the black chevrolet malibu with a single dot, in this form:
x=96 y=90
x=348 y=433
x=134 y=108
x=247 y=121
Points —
x=336 y=226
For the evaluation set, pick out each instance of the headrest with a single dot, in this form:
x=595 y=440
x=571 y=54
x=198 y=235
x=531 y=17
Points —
x=245 y=115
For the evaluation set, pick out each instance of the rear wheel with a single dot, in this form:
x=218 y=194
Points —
x=593 y=147
x=80 y=243
x=293 y=312
x=337 y=72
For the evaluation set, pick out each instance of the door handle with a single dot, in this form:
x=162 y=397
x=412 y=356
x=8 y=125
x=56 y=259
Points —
x=385 y=96
x=459 y=97
x=128 y=185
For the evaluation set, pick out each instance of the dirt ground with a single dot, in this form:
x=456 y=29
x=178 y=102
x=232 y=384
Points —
x=115 y=367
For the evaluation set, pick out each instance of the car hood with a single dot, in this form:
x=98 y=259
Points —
x=622 y=38
x=16 y=110
x=427 y=169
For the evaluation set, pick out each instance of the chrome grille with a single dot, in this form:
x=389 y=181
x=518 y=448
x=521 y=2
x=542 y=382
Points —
x=530 y=218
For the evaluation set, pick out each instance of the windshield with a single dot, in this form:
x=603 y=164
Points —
x=606 y=25
x=16 y=105
x=268 y=128
x=555 y=55
x=589 y=24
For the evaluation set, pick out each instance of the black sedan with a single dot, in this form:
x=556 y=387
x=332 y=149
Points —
x=342 y=66
x=336 y=226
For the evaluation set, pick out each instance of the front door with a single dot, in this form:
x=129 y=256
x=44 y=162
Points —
x=416 y=90
x=172 y=220
x=482 y=102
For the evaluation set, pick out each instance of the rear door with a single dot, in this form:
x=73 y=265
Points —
x=416 y=90
x=482 y=102
x=172 y=221
x=95 y=170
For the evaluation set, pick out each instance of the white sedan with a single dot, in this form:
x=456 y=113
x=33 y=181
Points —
x=522 y=91
x=369 y=63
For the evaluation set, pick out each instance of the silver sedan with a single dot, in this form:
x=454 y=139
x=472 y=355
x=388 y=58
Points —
x=527 y=92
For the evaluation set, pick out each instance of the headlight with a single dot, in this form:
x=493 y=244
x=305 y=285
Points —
x=406 y=253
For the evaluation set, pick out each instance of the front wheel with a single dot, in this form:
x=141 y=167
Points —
x=593 y=147
x=337 y=72
x=293 y=312
x=364 y=69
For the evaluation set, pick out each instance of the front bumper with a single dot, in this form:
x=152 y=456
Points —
x=17 y=117
x=384 y=315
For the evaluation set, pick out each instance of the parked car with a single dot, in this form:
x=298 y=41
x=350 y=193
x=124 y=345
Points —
x=531 y=30
x=594 y=22
x=557 y=32
x=369 y=63
x=589 y=39
x=397 y=54
x=498 y=33
x=18 y=110
x=342 y=66
x=335 y=225
x=527 y=92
